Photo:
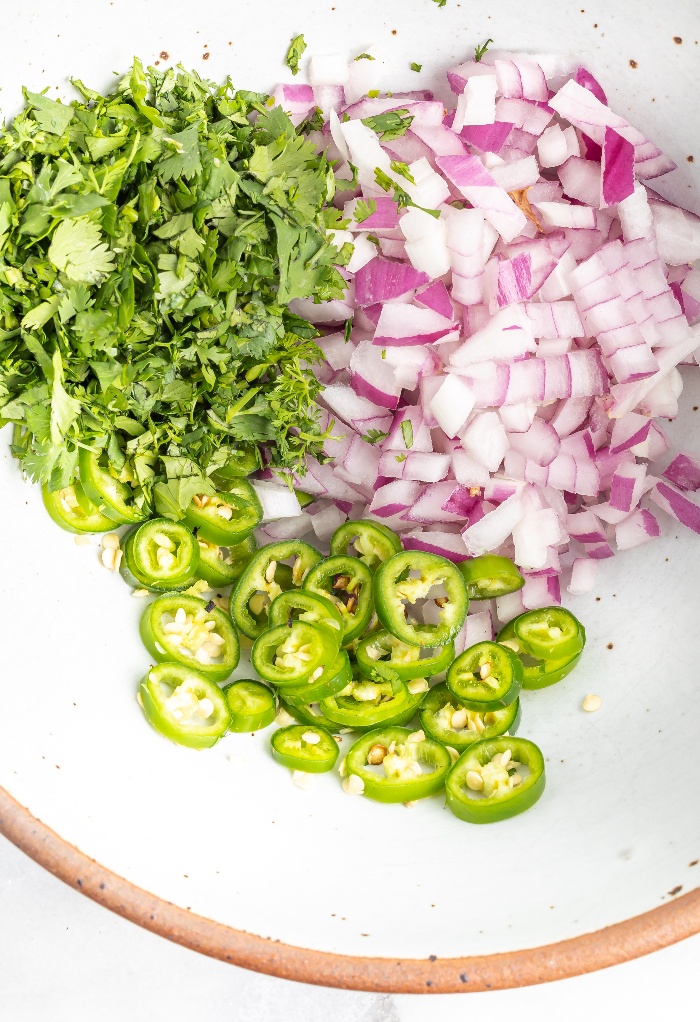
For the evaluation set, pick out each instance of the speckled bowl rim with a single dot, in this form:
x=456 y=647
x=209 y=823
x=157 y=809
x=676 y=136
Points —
x=622 y=942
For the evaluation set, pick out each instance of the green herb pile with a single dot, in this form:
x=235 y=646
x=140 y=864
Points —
x=150 y=242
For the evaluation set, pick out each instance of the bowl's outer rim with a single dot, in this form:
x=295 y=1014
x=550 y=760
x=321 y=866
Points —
x=621 y=942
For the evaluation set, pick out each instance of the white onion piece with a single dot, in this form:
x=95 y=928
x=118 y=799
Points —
x=277 y=501
x=287 y=528
x=394 y=498
x=452 y=404
x=477 y=627
x=494 y=528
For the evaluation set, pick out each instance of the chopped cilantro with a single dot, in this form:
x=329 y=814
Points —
x=364 y=209
x=416 y=67
x=407 y=433
x=365 y=56
x=390 y=124
x=402 y=170
x=374 y=436
x=440 y=3
x=294 y=53
x=150 y=242
x=480 y=51
x=347 y=330
x=400 y=457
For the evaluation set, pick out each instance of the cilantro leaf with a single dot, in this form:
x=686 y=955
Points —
x=364 y=208
x=78 y=250
x=407 y=433
x=365 y=56
x=440 y=3
x=416 y=67
x=294 y=53
x=50 y=115
x=390 y=124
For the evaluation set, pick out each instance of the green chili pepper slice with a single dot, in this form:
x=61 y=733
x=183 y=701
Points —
x=395 y=584
x=347 y=583
x=293 y=655
x=186 y=630
x=222 y=565
x=369 y=702
x=372 y=542
x=490 y=576
x=160 y=555
x=551 y=633
x=332 y=679
x=307 y=713
x=261 y=582
x=407 y=661
x=113 y=498
x=304 y=498
x=481 y=788
x=251 y=704
x=184 y=705
x=225 y=518
x=304 y=747
x=487 y=676
x=398 y=765
x=445 y=719
x=537 y=673
x=301 y=605
x=70 y=508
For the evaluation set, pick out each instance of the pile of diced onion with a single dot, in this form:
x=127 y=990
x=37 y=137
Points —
x=519 y=349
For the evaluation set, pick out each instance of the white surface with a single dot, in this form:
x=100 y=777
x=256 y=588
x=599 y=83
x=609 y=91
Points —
x=65 y=959
x=612 y=835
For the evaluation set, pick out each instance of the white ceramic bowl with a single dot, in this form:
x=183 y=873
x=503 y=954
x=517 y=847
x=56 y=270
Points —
x=343 y=890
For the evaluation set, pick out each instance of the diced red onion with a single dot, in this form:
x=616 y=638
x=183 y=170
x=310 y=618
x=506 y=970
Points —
x=584 y=573
x=671 y=500
x=635 y=529
x=684 y=472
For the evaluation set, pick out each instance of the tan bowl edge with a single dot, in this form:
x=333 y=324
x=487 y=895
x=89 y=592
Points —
x=638 y=936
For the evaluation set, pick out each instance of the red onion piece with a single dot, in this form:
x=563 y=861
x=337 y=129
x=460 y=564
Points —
x=684 y=472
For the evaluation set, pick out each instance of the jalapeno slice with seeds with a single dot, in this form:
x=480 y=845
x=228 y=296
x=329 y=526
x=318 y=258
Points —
x=251 y=704
x=369 y=702
x=407 y=661
x=327 y=683
x=551 y=633
x=186 y=630
x=410 y=577
x=160 y=555
x=70 y=508
x=537 y=673
x=112 y=497
x=184 y=705
x=225 y=518
x=490 y=576
x=487 y=676
x=495 y=780
x=372 y=542
x=308 y=713
x=304 y=747
x=222 y=565
x=292 y=655
x=347 y=583
x=398 y=765
x=264 y=578
x=301 y=605
x=445 y=719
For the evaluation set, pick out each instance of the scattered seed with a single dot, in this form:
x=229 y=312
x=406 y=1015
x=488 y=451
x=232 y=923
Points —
x=270 y=571
x=459 y=719
x=516 y=780
x=301 y=778
x=353 y=785
x=225 y=512
x=311 y=737
x=416 y=736
x=591 y=703
x=108 y=558
x=82 y=541
x=139 y=594
x=284 y=719
x=474 y=780
x=417 y=685
x=484 y=671
x=410 y=805
x=506 y=757
x=554 y=632
x=205 y=708
x=376 y=755
x=110 y=541
x=317 y=674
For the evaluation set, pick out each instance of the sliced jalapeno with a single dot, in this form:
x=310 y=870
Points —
x=369 y=702
x=397 y=765
x=485 y=677
x=490 y=576
x=264 y=578
x=304 y=747
x=251 y=704
x=347 y=583
x=109 y=495
x=300 y=605
x=222 y=565
x=407 y=661
x=307 y=713
x=551 y=633
x=331 y=680
x=160 y=555
x=293 y=655
x=537 y=673
x=70 y=508
x=410 y=577
x=184 y=705
x=186 y=630
x=446 y=720
x=225 y=518
x=370 y=541
x=495 y=779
